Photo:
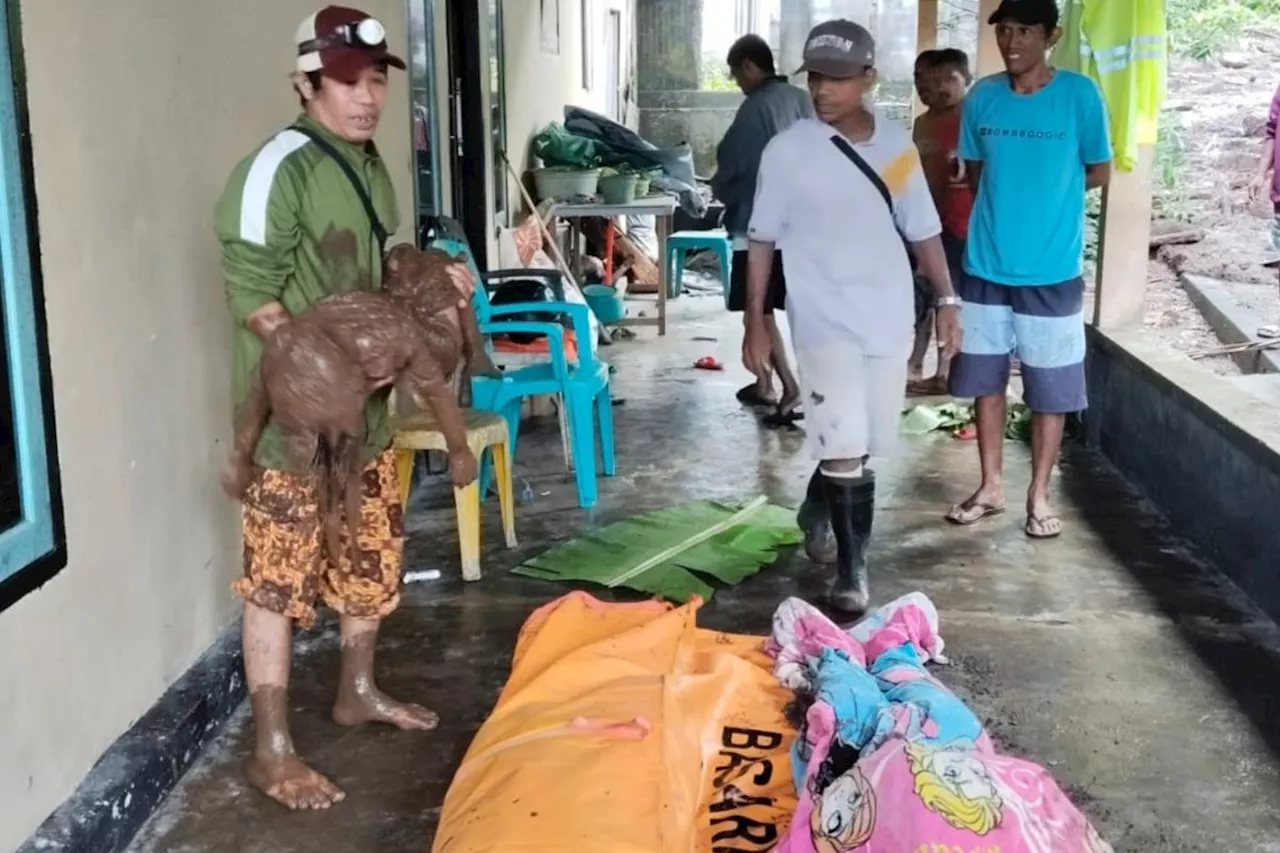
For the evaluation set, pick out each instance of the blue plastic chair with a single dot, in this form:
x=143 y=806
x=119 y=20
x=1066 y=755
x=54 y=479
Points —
x=682 y=242
x=583 y=386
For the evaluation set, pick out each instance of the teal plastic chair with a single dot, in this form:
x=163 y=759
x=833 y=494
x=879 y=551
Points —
x=683 y=242
x=583 y=386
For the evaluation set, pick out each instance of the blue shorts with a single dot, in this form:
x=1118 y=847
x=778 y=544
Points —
x=1043 y=326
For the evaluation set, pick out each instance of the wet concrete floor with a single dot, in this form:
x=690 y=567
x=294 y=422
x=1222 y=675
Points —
x=1138 y=674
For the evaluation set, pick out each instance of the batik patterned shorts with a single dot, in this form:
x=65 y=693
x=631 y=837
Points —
x=286 y=565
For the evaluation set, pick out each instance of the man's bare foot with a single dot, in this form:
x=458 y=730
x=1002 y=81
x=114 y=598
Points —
x=373 y=706
x=986 y=502
x=790 y=402
x=292 y=784
x=1042 y=522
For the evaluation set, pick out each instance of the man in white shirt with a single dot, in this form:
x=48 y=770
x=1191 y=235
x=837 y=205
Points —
x=841 y=196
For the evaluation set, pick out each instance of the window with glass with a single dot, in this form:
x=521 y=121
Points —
x=584 y=24
x=497 y=111
x=31 y=534
x=422 y=95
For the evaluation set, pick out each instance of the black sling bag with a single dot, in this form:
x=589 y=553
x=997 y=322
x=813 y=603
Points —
x=379 y=231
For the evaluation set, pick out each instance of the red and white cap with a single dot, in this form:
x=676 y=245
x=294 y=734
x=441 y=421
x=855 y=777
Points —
x=341 y=42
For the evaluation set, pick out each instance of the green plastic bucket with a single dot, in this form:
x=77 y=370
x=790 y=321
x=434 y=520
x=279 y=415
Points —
x=565 y=183
x=643 y=183
x=604 y=302
x=618 y=189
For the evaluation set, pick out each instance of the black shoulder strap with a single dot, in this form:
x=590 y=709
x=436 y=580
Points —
x=876 y=181
x=324 y=145
x=854 y=157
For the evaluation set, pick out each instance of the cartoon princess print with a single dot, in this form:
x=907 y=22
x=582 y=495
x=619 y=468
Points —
x=956 y=785
x=844 y=807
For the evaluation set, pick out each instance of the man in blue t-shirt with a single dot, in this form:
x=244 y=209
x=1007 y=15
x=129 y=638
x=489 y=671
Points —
x=1034 y=139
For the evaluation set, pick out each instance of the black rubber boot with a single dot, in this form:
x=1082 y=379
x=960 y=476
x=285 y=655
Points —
x=814 y=519
x=852 y=501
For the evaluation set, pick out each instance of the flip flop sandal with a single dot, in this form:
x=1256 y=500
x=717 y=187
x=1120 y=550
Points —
x=749 y=396
x=1037 y=523
x=961 y=513
x=778 y=420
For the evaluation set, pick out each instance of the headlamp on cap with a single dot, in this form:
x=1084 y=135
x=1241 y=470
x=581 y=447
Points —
x=364 y=35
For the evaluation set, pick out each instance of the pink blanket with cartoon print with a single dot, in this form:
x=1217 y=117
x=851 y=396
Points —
x=891 y=761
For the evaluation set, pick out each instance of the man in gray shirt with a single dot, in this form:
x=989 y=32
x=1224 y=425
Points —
x=772 y=105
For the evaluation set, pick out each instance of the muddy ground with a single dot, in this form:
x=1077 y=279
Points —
x=1215 y=116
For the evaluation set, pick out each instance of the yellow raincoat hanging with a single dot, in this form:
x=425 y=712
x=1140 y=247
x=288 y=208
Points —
x=1124 y=47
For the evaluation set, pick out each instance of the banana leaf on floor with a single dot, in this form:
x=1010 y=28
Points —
x=672 y=552
x=953 y=417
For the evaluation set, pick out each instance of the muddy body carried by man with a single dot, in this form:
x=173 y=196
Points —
x=294 y=228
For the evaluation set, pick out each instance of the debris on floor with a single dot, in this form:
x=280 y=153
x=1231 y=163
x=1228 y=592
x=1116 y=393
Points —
x=958 y=419
x=666 y=552
x=708 y=362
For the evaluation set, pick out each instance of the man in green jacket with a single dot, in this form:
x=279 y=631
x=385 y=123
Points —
x=293 y=229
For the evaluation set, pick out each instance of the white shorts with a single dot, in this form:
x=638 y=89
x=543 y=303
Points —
x=852 y=401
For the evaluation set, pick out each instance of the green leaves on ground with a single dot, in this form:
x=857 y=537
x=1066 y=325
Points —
x=672 y=552
x=953 y=417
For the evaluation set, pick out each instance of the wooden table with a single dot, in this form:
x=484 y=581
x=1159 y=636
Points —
x=662 y=208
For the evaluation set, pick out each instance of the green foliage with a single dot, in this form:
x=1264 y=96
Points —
x=673 y=552
x=1092 y=214
x=1202 y=29
x=713 y=75
x=1170 y=200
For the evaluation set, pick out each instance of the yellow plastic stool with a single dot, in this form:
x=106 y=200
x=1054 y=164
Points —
x=419 y=431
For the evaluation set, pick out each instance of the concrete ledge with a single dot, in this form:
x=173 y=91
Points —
x=688 y=99
x=140 y=769
x=1201 y=448
x=1233 y=324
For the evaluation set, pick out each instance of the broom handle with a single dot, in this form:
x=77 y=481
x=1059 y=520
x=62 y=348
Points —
x=546 y=232
x=696 y=539
x=602 y=333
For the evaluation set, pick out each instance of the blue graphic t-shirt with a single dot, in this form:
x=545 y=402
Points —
x=1027 y=226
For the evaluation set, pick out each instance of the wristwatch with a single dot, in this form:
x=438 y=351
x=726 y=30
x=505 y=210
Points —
x=944 y=301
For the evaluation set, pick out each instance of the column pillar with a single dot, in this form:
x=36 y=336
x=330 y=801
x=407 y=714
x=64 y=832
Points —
x=926 y=39
x=795 y=21
x=1124 y=245
x=989 y=61
x=926 y=25
x=669 y=44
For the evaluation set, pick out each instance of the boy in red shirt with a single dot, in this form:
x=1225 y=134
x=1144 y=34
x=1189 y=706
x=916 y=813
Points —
x=942 y=77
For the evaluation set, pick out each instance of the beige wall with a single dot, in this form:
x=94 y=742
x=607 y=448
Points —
x=139 y=110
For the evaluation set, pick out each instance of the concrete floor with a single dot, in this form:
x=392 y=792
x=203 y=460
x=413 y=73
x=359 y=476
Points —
x=1115 y=657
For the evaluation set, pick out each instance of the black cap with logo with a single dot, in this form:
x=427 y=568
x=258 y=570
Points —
x=839 y=48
